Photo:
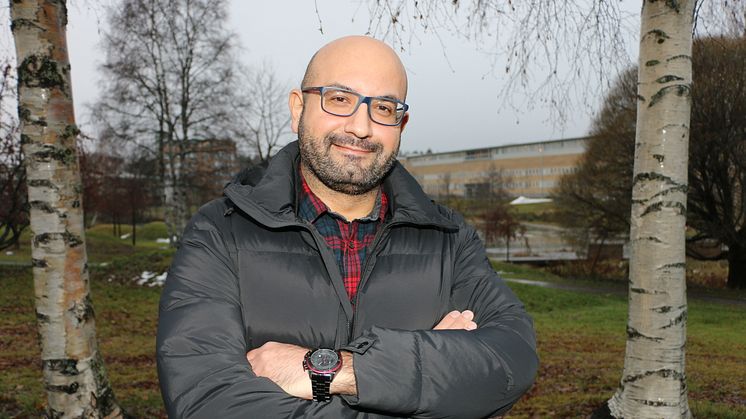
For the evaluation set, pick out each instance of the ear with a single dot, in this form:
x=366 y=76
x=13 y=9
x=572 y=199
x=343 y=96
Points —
x=404 y=121
x=295 y=104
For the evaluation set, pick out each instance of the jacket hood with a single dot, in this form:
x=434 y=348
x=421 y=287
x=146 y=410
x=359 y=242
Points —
x=269 y=195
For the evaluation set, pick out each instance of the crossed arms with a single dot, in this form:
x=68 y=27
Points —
x=281 y=362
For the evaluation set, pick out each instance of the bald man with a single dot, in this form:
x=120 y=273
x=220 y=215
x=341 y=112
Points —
x=329 y=285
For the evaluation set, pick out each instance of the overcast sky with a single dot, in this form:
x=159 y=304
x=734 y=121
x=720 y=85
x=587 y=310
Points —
x=453 y=94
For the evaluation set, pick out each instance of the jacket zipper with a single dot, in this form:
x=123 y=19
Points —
x=317 y=239
x=366 y=273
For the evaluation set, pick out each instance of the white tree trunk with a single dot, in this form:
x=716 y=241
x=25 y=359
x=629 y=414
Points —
x=174 y=193
x=74 y=374
x=653 y=383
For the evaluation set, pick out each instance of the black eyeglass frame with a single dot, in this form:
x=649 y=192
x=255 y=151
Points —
x=361 y=99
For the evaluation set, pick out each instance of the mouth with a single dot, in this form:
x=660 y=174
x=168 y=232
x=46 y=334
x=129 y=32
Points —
x=353 y=150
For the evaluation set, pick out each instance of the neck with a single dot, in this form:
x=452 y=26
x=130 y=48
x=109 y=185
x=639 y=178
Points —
x=351 y=207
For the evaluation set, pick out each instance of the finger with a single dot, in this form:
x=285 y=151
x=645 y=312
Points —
x=448 y=320
x=463 y=322
x=455 y=320
x=460 y=323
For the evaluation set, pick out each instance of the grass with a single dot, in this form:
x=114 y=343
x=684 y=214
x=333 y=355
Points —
x=581 y=343
x=543 y=212
x=512 y=270
x=126 y=319
x=102 y=245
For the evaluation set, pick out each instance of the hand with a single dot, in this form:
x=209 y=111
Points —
x=283 y=364
x=457 y=320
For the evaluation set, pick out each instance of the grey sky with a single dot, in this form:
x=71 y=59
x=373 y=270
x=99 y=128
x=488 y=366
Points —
x=453 y=94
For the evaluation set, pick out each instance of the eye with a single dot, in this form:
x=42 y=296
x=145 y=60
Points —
x=384 y=108
x=339 y=98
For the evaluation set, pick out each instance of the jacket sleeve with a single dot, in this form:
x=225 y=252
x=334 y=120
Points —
x=452 y=373
x=201 y=345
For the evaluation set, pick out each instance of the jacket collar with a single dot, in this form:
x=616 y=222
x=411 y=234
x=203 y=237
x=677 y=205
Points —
x=269 y=196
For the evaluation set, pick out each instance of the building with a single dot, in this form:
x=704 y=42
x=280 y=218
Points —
x=207 y=166
x=531 y=170
x=212 y=163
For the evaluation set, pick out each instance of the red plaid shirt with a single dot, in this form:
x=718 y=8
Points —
x=348 y=240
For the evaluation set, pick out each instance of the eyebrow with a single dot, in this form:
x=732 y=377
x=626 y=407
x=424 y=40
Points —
x=388 y=96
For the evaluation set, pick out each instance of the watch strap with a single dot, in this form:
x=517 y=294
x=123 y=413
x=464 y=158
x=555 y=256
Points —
x=320 y=385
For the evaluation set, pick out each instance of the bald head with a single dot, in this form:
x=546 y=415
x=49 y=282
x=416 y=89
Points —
x=367 y=56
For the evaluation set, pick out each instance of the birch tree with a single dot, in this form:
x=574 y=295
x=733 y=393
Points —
x=600 y=192
x=262 y=119
x=74 y=375
x=168 y=80
x=653 y=382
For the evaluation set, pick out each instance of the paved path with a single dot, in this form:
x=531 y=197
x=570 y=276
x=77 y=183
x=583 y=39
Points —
x=622 y=291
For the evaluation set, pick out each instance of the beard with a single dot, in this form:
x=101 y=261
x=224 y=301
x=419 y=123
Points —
x=349 y=175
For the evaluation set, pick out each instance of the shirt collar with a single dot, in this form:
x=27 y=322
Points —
x=311 y=207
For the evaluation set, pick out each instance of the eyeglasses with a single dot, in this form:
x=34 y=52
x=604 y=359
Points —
x=342 y=102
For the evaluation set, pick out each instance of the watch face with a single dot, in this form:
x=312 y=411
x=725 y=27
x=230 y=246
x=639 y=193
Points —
x=324 y=359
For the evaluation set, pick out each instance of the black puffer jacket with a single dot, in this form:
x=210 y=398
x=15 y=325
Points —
x=250 y=271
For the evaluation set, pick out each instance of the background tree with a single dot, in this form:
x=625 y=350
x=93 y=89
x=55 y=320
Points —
x=262 y=118
x=497 y=186
x=99 y=171
x=498 y=220
x=599 y=194
x=548 y=46
x=168 y=79
x=140 y=171
x=74 y=376
x=13 y=203
x=594 y=203
x=501 y=224
x=717 y=168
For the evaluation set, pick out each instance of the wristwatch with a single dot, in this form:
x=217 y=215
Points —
x=322 y=365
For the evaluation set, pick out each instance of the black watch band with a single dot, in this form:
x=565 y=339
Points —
x=322 y=365
x=320 y=384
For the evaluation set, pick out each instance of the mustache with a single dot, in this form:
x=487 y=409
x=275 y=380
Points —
x=349 y=141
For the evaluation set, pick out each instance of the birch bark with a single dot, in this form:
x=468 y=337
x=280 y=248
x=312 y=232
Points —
x=653 y=382
x=74 y=376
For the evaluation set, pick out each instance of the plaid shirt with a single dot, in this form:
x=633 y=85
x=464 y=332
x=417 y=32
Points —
x=349 y=241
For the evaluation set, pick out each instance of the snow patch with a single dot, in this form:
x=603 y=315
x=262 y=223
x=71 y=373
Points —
x=151 y=279
x=522 y=200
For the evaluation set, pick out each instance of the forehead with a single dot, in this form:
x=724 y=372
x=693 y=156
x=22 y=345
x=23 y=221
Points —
x=372 y=71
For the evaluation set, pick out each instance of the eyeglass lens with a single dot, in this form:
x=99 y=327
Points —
x=344 y=103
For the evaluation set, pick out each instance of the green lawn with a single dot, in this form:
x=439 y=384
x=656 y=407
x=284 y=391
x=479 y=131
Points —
x=581 y=343
x=102 y=244
x=580 y=336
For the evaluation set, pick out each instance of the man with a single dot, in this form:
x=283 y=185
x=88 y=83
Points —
x=330 y=286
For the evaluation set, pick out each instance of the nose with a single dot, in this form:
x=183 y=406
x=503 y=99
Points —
x=359 y=123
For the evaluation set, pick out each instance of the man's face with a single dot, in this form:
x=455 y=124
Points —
x=344 y=162
x=349 y=154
